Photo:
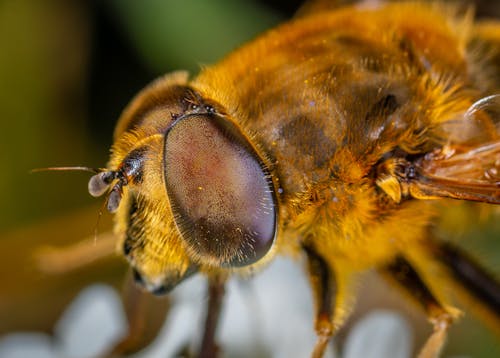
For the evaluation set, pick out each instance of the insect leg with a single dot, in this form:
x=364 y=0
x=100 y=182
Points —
x=401 y=272
x=146 y=315
x=330 y=300
x=216 y=291
x=480 y=286
x=60 y=260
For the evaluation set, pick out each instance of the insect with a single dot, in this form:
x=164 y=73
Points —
x=342 y=137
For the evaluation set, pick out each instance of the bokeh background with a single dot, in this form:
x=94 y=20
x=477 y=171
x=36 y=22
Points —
x=67 y=69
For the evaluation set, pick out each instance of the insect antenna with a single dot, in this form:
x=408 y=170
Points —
x=68 y=169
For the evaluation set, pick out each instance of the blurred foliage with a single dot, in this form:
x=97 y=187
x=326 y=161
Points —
x=185 y=34
x=67 y=69
x=42 y=77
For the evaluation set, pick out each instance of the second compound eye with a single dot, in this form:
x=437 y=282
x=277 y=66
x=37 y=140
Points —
x=220 y=192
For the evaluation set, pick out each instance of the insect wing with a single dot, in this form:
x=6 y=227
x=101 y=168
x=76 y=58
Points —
x=469 y=166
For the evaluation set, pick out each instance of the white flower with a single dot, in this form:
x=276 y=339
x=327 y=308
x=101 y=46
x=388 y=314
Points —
x=268 y=316
x=93 y=322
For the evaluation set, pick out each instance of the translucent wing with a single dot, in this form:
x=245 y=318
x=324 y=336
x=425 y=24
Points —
x=468 y=166
x=469 y=175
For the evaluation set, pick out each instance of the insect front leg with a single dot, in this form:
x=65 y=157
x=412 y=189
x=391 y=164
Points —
x=216 y=292
x=401 y=272
x=62 y=260
x=331 y=299
x=145 y=314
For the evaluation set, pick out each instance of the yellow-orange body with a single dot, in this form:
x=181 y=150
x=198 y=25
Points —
x=331 y=101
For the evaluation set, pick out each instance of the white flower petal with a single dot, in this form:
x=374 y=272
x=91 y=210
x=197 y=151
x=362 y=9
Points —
x=93 y=323
x=380 y=335
x=22 y=345
x=270 y=315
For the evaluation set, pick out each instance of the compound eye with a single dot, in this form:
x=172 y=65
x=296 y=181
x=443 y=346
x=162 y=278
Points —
x=220 y=191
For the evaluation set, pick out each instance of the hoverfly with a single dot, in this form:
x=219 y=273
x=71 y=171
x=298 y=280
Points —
x=341 y=136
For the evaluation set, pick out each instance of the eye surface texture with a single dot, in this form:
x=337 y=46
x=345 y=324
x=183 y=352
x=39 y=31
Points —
x=220 y=191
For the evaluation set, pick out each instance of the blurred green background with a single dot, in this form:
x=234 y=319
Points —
x=68 y=68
